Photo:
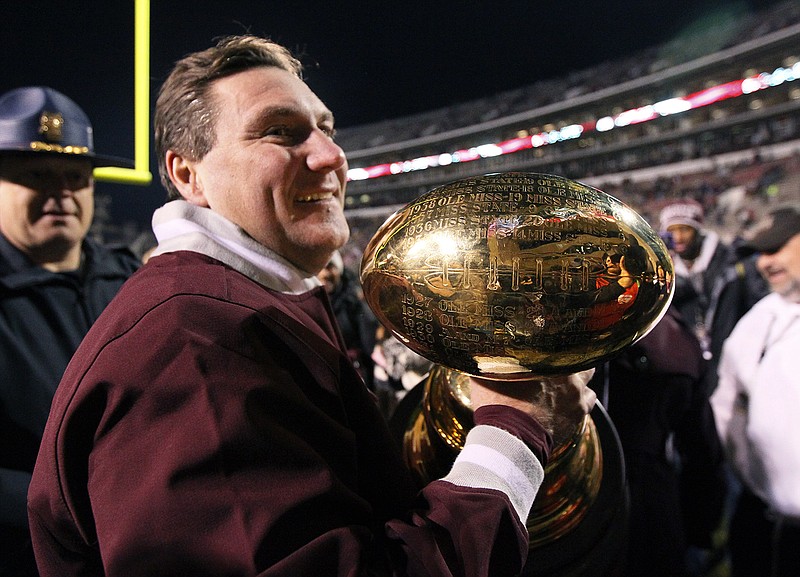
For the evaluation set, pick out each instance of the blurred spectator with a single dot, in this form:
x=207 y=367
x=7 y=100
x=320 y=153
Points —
x=755 y=407
x=712 y=288
x=54 y=282
x=356 y=321
x=654 y=395
x=398 y=369
x=144 y=245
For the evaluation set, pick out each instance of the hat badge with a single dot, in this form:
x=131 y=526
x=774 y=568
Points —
x=50 y=124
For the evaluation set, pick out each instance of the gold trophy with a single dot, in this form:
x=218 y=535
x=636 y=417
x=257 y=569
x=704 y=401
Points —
x=509 y=276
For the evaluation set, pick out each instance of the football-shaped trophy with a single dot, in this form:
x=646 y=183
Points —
x=511 y=275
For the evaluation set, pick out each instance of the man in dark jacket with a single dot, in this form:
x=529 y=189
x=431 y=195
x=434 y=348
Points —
x=713 y=289
x=54 y=283
x=673 y=459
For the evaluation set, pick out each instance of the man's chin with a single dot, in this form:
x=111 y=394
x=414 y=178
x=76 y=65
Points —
x=63 y=237
x=789 y=291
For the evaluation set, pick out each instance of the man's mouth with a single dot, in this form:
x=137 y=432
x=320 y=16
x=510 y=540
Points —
x=773 y=274
x=315 y=197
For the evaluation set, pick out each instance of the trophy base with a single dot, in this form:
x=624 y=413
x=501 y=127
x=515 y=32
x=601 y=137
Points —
x=595 y=546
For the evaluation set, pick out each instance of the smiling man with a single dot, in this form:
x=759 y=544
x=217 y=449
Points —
x=54 y=282
x=755 y=406
x=212 y=424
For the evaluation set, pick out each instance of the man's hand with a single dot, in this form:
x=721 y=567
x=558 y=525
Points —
x=558 y=403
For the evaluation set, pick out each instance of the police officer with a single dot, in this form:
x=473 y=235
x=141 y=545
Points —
x=54 y=282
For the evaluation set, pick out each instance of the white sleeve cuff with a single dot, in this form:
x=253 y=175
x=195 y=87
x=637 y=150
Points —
x=495 y=459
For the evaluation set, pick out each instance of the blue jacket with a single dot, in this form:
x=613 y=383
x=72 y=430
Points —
x=43 y=317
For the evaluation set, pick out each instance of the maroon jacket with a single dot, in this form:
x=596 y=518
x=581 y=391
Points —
x=210 y=426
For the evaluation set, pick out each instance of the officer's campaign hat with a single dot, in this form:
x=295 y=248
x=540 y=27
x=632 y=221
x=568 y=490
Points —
x=41 y=120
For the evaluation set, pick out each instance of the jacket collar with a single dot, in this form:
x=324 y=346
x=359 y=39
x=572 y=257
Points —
x=179 y=225
x=17 y=270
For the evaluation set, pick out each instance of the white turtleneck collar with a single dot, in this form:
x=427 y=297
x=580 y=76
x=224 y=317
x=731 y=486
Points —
x=179 y=225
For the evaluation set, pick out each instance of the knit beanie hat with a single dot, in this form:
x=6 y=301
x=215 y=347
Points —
x=688 y=212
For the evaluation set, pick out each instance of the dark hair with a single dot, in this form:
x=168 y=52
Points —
x=635 y=257
x=185 y=112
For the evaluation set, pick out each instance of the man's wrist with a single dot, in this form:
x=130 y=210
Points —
x=521 y=425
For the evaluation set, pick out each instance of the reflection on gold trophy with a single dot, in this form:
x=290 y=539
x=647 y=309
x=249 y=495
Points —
x=509 y=276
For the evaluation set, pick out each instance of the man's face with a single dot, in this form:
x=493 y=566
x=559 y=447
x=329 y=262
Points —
x=274 y=168
x=684 y=239
x=611 y=266
x=782 y=269
x=46 y=203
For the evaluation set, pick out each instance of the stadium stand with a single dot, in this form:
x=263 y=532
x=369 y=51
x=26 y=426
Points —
x=711 y=114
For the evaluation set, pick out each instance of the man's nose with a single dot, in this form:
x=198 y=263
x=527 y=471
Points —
x=325 y=154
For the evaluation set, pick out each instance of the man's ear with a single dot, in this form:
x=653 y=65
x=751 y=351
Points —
x=183 y=175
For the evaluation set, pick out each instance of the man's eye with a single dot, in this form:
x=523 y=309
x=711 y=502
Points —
x=277 y=131
x=78 y=179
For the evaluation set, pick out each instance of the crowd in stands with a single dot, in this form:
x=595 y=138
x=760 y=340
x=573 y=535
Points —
x=543 y=92
x=734 y=192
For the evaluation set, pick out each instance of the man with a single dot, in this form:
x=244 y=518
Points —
x=755 y=407
x=653 y=392
x=54 y=282
x=211 y=423
x=713 y=289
